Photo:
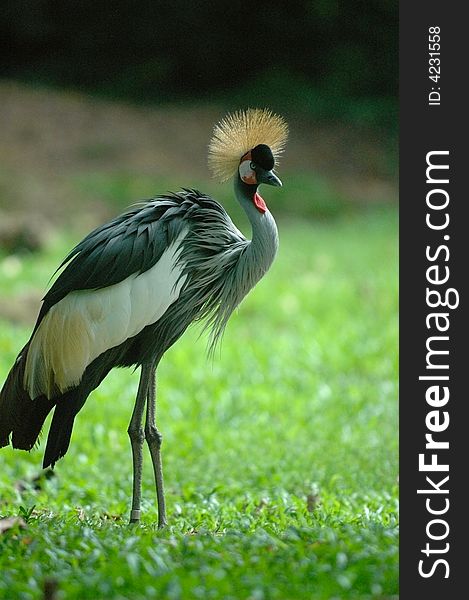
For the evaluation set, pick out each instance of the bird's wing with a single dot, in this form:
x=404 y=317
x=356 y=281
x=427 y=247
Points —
x=134 y=242
x=131 y=243
x=119 y=279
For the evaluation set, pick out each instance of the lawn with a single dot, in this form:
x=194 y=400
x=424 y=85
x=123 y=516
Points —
x=280 y=454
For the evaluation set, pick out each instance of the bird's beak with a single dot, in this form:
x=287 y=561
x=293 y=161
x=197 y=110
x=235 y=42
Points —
x=269 y=178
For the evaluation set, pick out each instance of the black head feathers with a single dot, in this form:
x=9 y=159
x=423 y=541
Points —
x=262 y=155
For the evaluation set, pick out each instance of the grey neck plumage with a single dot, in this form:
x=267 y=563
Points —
x=240 y=266
x=261 y=250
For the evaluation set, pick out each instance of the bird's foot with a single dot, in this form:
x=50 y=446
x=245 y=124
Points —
x=134 y=517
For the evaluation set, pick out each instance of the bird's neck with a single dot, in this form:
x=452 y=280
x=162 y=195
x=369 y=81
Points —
x=263 y=246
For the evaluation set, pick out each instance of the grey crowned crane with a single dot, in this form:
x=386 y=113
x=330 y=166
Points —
x=131 y=288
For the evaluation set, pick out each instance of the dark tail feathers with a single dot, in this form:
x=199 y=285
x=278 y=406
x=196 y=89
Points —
x=20 y=417
x=61 y=427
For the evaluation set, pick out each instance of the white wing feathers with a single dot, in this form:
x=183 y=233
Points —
x=86 y=323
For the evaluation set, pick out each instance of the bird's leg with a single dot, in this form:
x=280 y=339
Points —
x=154 y=439
x=137 y=435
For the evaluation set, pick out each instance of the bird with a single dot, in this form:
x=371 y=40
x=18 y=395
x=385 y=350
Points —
x=128 y=291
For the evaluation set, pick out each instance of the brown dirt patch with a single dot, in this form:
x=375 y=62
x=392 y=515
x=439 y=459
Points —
x=49 y=138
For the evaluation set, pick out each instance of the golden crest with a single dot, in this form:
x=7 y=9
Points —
x=240 y=132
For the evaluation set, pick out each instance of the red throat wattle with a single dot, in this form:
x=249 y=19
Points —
x=259 y=203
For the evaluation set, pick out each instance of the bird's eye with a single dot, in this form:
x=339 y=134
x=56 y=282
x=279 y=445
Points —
x=252 y=166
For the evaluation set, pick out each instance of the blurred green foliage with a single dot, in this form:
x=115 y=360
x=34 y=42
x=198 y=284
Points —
x=303 y=195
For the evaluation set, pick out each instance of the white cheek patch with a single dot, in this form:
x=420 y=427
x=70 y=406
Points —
x=246 y=173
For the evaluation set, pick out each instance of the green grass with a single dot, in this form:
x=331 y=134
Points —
x=280 y=454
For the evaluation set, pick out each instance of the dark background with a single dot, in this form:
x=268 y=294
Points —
x=318 y=58
x=105 y=103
